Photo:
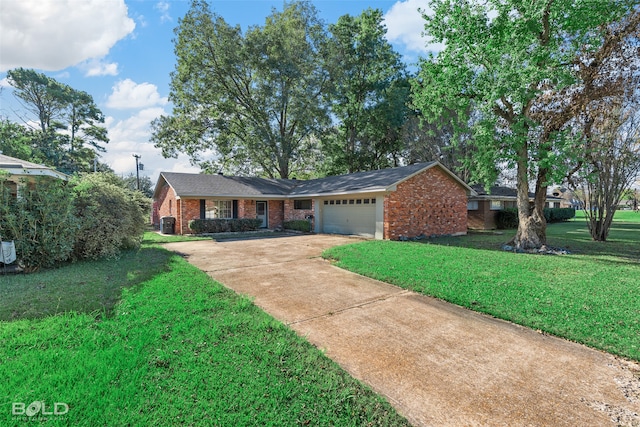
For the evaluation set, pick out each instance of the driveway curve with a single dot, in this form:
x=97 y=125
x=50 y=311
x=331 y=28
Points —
x=438 y=364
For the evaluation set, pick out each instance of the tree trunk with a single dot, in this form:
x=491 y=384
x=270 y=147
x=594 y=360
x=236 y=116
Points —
x=532 y=227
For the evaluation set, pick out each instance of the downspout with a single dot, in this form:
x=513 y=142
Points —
x=180 y=213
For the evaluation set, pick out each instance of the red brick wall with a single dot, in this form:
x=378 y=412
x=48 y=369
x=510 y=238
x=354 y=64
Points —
x=190 y=209
x=298 y=214
x=247 y=209
x=276 y=213
x=431 y=203
x=483 y=218
x=168 y=205
x=292 y=214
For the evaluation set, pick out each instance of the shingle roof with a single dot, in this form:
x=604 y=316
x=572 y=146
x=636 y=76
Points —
x=200 y=185
x=360 y=182
x=498 y=192
x=23 y=167
x=203 y=185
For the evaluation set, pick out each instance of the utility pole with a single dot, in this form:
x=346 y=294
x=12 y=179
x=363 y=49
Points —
x=137 y=156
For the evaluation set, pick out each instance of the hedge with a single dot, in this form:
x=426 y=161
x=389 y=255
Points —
x=224 y=225
x=298 y=224
x=92 y=216
x=559 y=214
x=508 y=218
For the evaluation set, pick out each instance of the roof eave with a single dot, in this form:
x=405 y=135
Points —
x=22 y=172
x=235 y=196
x=337 y=193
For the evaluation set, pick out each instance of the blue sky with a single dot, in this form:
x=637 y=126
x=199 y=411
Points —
x=121 y=52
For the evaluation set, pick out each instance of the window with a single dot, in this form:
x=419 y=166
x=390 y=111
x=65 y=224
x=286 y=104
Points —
x=366 y=201
x=358 y=201
x=373 y=201
x=496 y=205
x=302 y=204
x=326 y=202
x=218 y=209
x=472 y=205
x=351 y=201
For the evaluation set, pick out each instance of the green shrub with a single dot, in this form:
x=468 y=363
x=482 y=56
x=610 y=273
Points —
x=112 y=217
x=559 y=214
x=298 y=224
x=507 y=218
x=224 y=225
x=41 y=222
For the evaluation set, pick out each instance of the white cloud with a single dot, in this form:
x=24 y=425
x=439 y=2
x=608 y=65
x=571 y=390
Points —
x=98 y=67
x=128 y=94
x=5 y=83
x=131 y=136
x=405 y=25
x=163 y=8
x=53 y=35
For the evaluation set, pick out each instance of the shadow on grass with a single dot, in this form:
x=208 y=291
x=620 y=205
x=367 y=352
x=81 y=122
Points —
x=84 y=287
x=623 y=243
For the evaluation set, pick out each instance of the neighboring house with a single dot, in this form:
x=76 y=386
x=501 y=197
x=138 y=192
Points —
x=420 y=199
x=565 y=198
x=22 y=172
x=483 y=207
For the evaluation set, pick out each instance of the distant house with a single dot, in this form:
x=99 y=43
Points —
x=420 y=199
x=21 y=172
x=563 y=197
x=483 y=207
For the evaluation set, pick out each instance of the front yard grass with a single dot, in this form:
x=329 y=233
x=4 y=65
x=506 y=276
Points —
x=178 y=349
x=591 y=296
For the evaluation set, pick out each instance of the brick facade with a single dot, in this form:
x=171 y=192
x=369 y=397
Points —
x=168 y=205
x=275 y=217
x=290 y=213
x=246 y=208
x=190 y=209
x=430 y=203
x=484 y=218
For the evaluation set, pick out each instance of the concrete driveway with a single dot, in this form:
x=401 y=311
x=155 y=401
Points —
x=436 y=363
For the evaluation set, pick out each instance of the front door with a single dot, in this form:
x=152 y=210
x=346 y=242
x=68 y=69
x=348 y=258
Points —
x=261 y=213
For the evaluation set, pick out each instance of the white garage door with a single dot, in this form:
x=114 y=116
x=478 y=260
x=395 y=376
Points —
x=349 y=216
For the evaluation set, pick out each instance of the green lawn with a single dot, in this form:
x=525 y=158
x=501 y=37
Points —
x=591 y=296
x=86 y=287
x=178 y=348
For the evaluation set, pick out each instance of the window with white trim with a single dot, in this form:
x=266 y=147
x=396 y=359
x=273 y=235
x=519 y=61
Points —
x=222 y=209
x=496 y=205
x=472 y=205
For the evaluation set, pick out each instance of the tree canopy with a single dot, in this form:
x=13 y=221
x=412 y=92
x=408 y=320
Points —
x=68 y=134
x=253 y=100
x=369 y=94
x=527 y=68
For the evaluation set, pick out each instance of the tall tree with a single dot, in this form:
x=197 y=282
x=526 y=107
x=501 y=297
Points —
x=529 y=67
x=424 y=142
x=611 y=160
x=15 y=140
x=41 y=95
x=69 y=133
x=370 y=94
x=255 y=100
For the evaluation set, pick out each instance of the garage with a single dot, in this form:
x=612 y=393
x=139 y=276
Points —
x=349 y=216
